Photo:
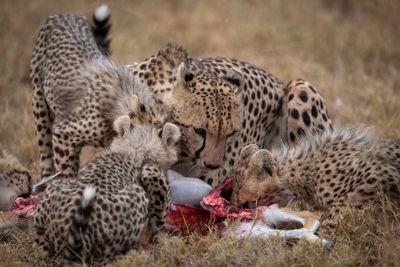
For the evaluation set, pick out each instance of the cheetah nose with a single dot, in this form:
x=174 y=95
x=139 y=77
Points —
x=211 y=166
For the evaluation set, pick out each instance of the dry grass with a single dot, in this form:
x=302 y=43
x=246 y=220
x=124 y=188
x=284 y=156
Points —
x=348 y=49
x=360 y=239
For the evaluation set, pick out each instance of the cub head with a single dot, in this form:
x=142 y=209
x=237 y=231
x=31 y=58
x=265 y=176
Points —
x=255 y=176
x=15 y=180
x=145 y=141
x=207 y=109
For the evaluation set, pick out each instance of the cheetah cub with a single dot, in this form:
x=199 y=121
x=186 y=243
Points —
x=328 y=171
x=83 y=89
x=15 y=180
x=103 y=213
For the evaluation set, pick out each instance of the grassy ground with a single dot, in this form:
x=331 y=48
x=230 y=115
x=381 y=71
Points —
x=349 y=49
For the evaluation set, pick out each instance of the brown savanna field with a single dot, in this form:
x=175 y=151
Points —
x=348 y=49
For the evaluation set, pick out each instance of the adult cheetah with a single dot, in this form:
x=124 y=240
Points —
x=102 y=213
x=329 y=171
x=267 y=114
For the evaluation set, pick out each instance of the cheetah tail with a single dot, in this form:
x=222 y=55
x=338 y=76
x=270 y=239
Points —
x=101 y=27
x=80 y=221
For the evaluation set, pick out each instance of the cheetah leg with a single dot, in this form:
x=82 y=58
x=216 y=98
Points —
x=69 y=136
x=357 y=199
x=66 y=151
x=156 y=186
x=44 y=119
x=39 y=247
x=328 y=223
x=43 y=249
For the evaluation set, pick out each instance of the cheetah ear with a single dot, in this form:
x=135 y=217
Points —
x=235 y=78
x=183 y=75
x=263 y=164
x=170 y=134
x=122 y=125
x=247 y=151
x=134 y=105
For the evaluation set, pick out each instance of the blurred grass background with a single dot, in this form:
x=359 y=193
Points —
x=349 y=49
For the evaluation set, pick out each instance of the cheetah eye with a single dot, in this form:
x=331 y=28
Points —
x=232 y=134
x=200 y=131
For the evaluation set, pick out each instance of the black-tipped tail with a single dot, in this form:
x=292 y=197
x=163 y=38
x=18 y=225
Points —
x=80 y=222
x=101 y=27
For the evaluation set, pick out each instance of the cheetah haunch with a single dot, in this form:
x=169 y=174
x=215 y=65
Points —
x=75 y=83
x=329 y=171
x=103 y=213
